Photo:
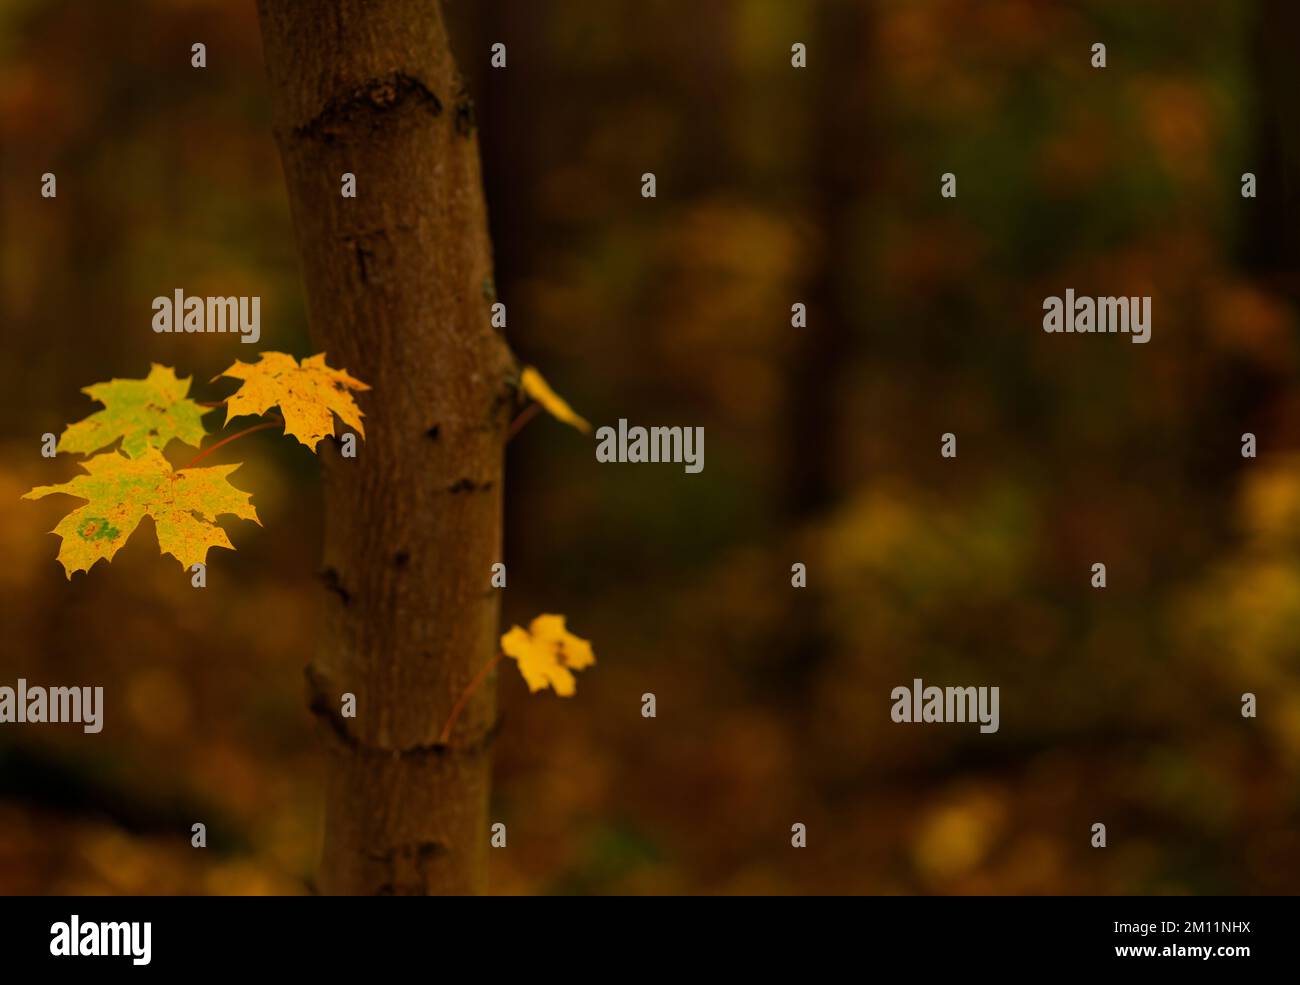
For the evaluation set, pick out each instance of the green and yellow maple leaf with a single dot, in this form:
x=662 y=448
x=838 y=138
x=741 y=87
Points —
x=145 y=413
x=121 y=491
x=308 y=394
x=535 y=385
x=547 y=653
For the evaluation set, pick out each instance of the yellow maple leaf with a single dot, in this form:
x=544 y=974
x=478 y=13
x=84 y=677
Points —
x=546 y=653
x=308 y=394
x=145 y=413
x=121 y=491
x=536 y=387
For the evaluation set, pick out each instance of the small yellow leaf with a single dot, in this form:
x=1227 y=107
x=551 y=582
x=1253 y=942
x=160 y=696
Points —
x=121 y=491
x=308 y=394
x=536 y=387
x=547 y=653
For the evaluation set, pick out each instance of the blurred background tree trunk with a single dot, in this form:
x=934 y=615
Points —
x=398 y=282
x=1273 y=242
x=840 y=173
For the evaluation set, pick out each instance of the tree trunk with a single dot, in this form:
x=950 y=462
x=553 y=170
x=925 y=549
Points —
x=1273 y=244
x=840 y=174
x=398 y=283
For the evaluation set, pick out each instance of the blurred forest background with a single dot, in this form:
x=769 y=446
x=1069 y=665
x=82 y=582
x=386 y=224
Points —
x=822 y=446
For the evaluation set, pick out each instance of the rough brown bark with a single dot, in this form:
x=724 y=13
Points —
x=398 y=284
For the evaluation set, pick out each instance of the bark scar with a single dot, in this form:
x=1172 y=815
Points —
x=351 y=114
x=468 y=485
x=322 y=701
x=373 y=252
x=330 y=576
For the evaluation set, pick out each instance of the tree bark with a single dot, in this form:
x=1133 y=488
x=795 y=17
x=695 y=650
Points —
x=398 y=284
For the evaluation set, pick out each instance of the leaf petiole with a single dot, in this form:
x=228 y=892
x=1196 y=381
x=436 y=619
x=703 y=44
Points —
x=271 y=422
x=465 y=695
x=525 y=415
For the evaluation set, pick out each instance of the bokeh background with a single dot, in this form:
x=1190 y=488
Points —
x=822 y=446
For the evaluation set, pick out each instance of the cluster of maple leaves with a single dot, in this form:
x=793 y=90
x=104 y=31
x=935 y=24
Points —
x=122 y=486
